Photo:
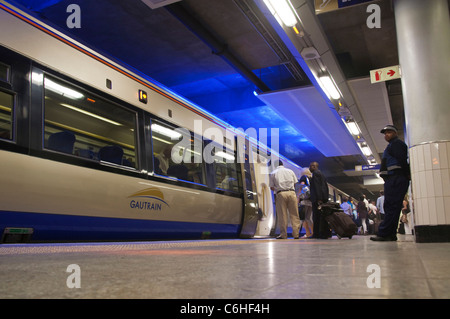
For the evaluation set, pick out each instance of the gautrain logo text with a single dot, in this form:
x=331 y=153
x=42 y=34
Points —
x=151 y=199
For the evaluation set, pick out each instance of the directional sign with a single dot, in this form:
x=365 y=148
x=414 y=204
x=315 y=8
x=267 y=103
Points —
x=322 y=6
x=371 y=167
x=385 y=74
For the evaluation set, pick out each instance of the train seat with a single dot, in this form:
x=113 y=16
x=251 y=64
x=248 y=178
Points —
x=62 y=142
x=112 y=154
x=86 y=153
x=179 y=171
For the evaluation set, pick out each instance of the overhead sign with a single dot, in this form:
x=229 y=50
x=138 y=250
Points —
x=371 y=167
x=322 y=6
x=385 y=74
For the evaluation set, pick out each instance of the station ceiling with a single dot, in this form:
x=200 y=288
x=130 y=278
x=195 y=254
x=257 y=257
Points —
x=233 y=59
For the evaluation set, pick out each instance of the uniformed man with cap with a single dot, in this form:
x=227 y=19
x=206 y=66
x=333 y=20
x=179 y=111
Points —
x=395 y=171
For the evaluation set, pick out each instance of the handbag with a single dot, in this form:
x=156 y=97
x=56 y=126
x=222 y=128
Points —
x=305 y=192
x=404 y=219
x=302 y=212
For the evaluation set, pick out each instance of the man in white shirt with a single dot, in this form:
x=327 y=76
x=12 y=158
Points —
x=282 y=182
x=380 y=204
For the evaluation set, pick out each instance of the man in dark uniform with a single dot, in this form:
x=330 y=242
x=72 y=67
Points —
x=319 y=195
x=396 y=174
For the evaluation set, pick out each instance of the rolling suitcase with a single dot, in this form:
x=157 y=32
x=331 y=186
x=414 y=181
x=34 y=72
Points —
x=340 y=222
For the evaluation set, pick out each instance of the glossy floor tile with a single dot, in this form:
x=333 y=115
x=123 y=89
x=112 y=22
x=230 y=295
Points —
x=231 y=269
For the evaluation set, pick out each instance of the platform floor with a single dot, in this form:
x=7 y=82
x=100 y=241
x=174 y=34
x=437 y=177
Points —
x=232 y=269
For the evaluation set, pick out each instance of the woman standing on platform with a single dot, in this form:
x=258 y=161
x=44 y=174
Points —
x=362 y=214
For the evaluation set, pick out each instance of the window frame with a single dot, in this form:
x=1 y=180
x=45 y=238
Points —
x=155 y=120
x=212 y=168
x=37 y=143
x=8 y=73
x=13 y=115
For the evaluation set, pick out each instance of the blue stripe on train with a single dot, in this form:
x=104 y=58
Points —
x=53 y=227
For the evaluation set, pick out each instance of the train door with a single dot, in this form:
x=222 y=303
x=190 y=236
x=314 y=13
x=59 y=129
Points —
x=266 y=223
x=250 y=218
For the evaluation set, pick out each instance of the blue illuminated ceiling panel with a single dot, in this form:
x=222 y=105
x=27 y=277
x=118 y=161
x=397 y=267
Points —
x=306 y=111
x=158 y=45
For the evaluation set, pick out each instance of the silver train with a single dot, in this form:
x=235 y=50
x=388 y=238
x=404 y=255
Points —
x=91 y=150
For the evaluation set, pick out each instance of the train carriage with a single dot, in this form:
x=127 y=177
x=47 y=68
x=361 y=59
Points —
x=93 y=150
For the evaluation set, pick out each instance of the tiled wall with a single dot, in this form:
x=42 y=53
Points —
x=430 y=173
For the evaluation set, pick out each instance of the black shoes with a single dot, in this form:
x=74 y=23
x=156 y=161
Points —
x=387 y=238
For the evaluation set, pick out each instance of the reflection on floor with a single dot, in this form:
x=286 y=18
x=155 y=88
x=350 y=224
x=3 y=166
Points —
x=255 y=269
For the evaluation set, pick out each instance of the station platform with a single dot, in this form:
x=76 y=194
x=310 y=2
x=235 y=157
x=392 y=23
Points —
x=230 y=269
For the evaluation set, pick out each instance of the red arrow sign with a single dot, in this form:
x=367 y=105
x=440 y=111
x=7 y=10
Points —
x=391 y=73
x=385 y=74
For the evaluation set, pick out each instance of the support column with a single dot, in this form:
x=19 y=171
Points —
x=423 y=35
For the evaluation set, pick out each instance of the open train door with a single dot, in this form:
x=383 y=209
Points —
x=251 y=215
x=266 y=223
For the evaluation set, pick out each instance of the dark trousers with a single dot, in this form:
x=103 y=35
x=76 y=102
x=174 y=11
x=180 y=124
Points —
x=321 y=228
x=395 y=188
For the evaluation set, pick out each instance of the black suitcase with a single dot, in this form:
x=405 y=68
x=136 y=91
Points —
x=342 y=224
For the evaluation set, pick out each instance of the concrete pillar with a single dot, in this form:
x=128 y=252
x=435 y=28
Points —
x=423 y=35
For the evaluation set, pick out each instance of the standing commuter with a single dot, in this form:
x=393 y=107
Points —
x=305 y=202
x=346 y=206
x=282 y=181
x=362 y=215
x=319 y=195
x=380 y=204
x=396 y=174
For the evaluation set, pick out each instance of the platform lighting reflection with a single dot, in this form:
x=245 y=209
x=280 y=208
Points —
x=271 y=261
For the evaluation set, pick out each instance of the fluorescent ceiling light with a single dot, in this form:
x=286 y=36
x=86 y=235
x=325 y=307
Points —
x=330 y=88
x=225 y=155
x=366 y=150
x=283 y=10
x=162 y=140
x=90 y=114
x=352 y=127
x=165 y=131
x=61 y=89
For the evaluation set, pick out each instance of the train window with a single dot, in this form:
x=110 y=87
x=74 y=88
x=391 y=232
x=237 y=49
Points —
x=6 y=109
x=177 y=153
x=4 y=72
x=81 y=124
x=225 y=169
